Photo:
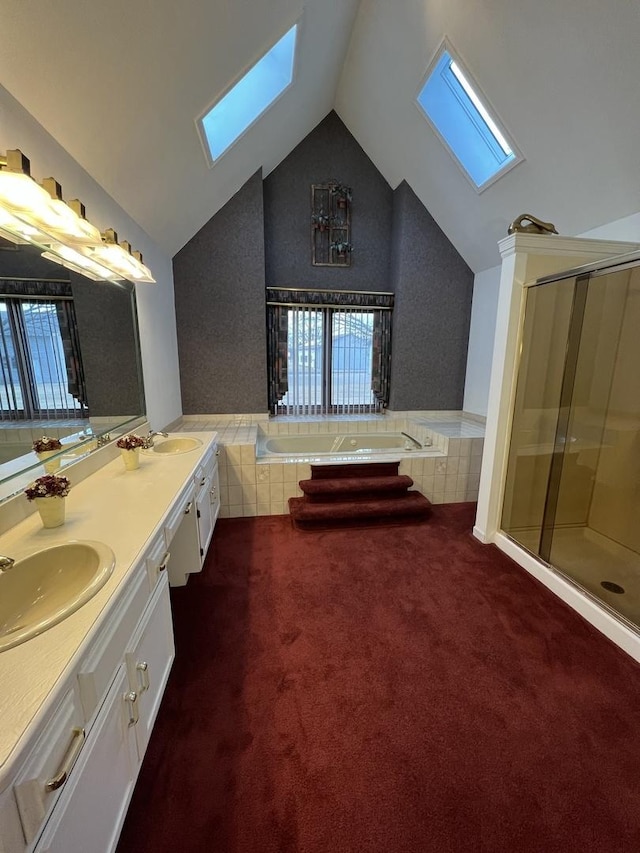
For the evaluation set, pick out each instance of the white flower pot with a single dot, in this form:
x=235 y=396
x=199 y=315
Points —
x=131 y=458
x=49 y=467
x=51 y=511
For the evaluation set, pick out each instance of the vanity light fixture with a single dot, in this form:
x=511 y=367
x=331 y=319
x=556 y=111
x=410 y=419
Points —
x=31 y=213
x=119 y=258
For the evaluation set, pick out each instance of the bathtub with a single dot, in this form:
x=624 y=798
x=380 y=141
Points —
x=352 y=444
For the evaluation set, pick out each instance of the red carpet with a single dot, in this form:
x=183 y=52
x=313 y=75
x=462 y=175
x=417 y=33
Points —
x=402 y=690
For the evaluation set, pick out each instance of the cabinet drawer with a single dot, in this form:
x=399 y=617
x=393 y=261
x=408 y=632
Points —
x=97 y=668
x=184 y=504
x=157 y=559
x=49 y=766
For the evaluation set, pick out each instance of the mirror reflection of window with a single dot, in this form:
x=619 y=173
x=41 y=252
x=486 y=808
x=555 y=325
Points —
x=41 y=363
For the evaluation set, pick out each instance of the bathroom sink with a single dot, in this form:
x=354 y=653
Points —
x=175 y=445
x=44 y=588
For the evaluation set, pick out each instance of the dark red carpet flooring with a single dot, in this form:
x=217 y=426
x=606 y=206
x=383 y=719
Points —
x=385 y=691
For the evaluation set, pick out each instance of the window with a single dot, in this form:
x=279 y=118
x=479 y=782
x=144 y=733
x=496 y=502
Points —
x=329 y=353
x=248 y=99
x=39 y=360
x=460 y=116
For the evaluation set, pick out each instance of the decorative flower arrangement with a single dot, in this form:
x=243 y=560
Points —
x=49 y=486
x=130 y=442
x=45 y=444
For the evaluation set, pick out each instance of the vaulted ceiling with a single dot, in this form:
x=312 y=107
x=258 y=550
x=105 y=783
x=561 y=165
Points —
x=120 y=85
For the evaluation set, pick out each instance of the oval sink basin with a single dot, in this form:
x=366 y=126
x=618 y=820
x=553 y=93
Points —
x=175 y=445
x=44 y=588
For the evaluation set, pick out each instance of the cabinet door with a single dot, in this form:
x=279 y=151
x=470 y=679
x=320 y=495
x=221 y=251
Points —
x=184 y=546
x=148 y=661
x=205 y=519
x=89 y=813
x=215 y=495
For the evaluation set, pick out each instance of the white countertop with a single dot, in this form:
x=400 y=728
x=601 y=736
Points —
x=123 y=509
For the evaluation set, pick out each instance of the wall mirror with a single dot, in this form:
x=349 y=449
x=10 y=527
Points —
x=70 y=365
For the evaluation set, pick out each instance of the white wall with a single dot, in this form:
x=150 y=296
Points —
x=156 y=312
x=481 y=333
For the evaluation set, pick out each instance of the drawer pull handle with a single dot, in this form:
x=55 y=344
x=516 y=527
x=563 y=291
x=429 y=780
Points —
x=165 y=561
x=132 y=700
x=213 y=492
x=187 y=509
x=143 y=668
x=203 y=481
x=69 y=760
x=218 y=452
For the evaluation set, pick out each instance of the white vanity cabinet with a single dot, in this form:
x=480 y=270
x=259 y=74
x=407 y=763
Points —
x=66 y=786
x=87 y=760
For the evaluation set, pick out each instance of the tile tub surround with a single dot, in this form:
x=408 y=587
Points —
x=446 y=472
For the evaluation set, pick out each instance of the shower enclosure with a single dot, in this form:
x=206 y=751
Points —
x=572 y=490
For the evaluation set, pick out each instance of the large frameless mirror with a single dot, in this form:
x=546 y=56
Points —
x=70 y=366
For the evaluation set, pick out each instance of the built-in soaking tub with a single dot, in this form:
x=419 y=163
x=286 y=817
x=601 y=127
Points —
x=356 y=444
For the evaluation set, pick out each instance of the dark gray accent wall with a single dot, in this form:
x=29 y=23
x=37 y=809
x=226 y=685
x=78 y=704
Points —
x=433 y=287
x=328 y=152
x=262 y=236
x=219 y=283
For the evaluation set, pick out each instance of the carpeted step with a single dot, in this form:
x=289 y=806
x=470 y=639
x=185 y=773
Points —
x=357 y=469
x=409 y=507
x=355 y=488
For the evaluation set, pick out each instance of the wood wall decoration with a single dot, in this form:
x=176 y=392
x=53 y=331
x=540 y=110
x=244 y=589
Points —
x=331 y=225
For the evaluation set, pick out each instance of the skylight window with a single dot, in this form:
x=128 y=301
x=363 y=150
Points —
x=461 y=118
x=249 y=98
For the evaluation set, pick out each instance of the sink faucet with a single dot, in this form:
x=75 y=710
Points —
x=148 y=441
x=6 y=563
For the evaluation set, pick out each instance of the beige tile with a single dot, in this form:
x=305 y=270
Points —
x=234 y=477
x=417 y=467
x=437 y=498
x=450 y=482
x=248 y=454
x=453 y=465
x=236 y=511
x=290 y=472
x=441 y=466
x=475 y=464
x=235 y=495
x=249 y=494
x=276 y=473
x=224 y=512
x=303 y=472
x=264 y=507
x=263 y=493
x=449 y=497
x=249 y=510
x=279 y=508
x=233 y=452
x=428 y=467
x=465 y=447
x=463 y=464
x=438 y=483
x=276 y=492
x=248 y=474
x=263 y=473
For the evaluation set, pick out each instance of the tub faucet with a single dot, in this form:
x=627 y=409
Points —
x=6 y=563
x=414 y=440
x=148 y=441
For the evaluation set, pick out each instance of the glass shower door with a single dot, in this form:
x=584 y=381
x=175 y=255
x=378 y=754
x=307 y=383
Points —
x=591 y=527
x=572 y=491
